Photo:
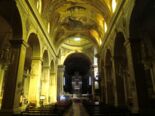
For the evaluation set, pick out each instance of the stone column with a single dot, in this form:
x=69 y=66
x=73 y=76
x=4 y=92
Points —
x=153 y=73
x=52 y=88
x=137 y=75
x=120 y=78
x=110 y=85
x=114 y=80
x=102 y=82
x=93 y=80
x=99 y=72
x=60 y=80
x=105 y=85
x=45 y=83
x=35 y=78
x=14 y=76
x=3 y=69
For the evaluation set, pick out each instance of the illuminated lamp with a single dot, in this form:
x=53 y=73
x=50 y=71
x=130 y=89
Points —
x=77 y=38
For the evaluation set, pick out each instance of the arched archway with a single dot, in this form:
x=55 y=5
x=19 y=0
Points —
x=121 y=68
x=143 y=51
x=77 y=63
x=34 y=44
x=109 y=79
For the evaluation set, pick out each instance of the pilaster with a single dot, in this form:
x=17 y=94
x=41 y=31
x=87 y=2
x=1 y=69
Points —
x=45 y=83
x=35 y=78
x=113 y=60
x=132 y=98
x=60 y=80
x=14 y=76
x=138 y=73
x=53 y=86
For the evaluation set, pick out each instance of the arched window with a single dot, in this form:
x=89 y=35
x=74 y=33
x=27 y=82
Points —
x=113 y=5
x=48 y=27
x=39 y=6
x=105 y=27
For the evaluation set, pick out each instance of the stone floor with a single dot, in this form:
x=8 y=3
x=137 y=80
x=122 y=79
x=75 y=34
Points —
x=76 y=109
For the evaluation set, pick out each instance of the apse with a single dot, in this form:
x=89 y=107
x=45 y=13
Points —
x=77 y=63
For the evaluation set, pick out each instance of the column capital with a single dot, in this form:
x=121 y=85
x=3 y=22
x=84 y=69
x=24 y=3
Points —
x=97 y=55
x=52 y=73
x=116 y=57
x=37 y=58
x=4 y=66
x=61 y=66
x=134 y=40
x=18 y=42
x=46 y=66
x=108 y=65
x=127 y=42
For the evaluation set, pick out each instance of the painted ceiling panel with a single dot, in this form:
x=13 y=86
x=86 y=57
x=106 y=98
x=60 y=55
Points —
x=69 y=18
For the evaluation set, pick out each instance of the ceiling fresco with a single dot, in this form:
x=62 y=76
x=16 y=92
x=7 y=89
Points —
x=72 y=18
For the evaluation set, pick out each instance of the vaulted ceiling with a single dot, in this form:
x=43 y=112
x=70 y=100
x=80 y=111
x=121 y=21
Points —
x=85 y=19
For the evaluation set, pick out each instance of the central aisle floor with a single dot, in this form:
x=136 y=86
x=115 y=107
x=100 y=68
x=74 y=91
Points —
x=77 y=109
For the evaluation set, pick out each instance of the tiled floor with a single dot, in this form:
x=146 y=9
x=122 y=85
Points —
x=77 y=109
